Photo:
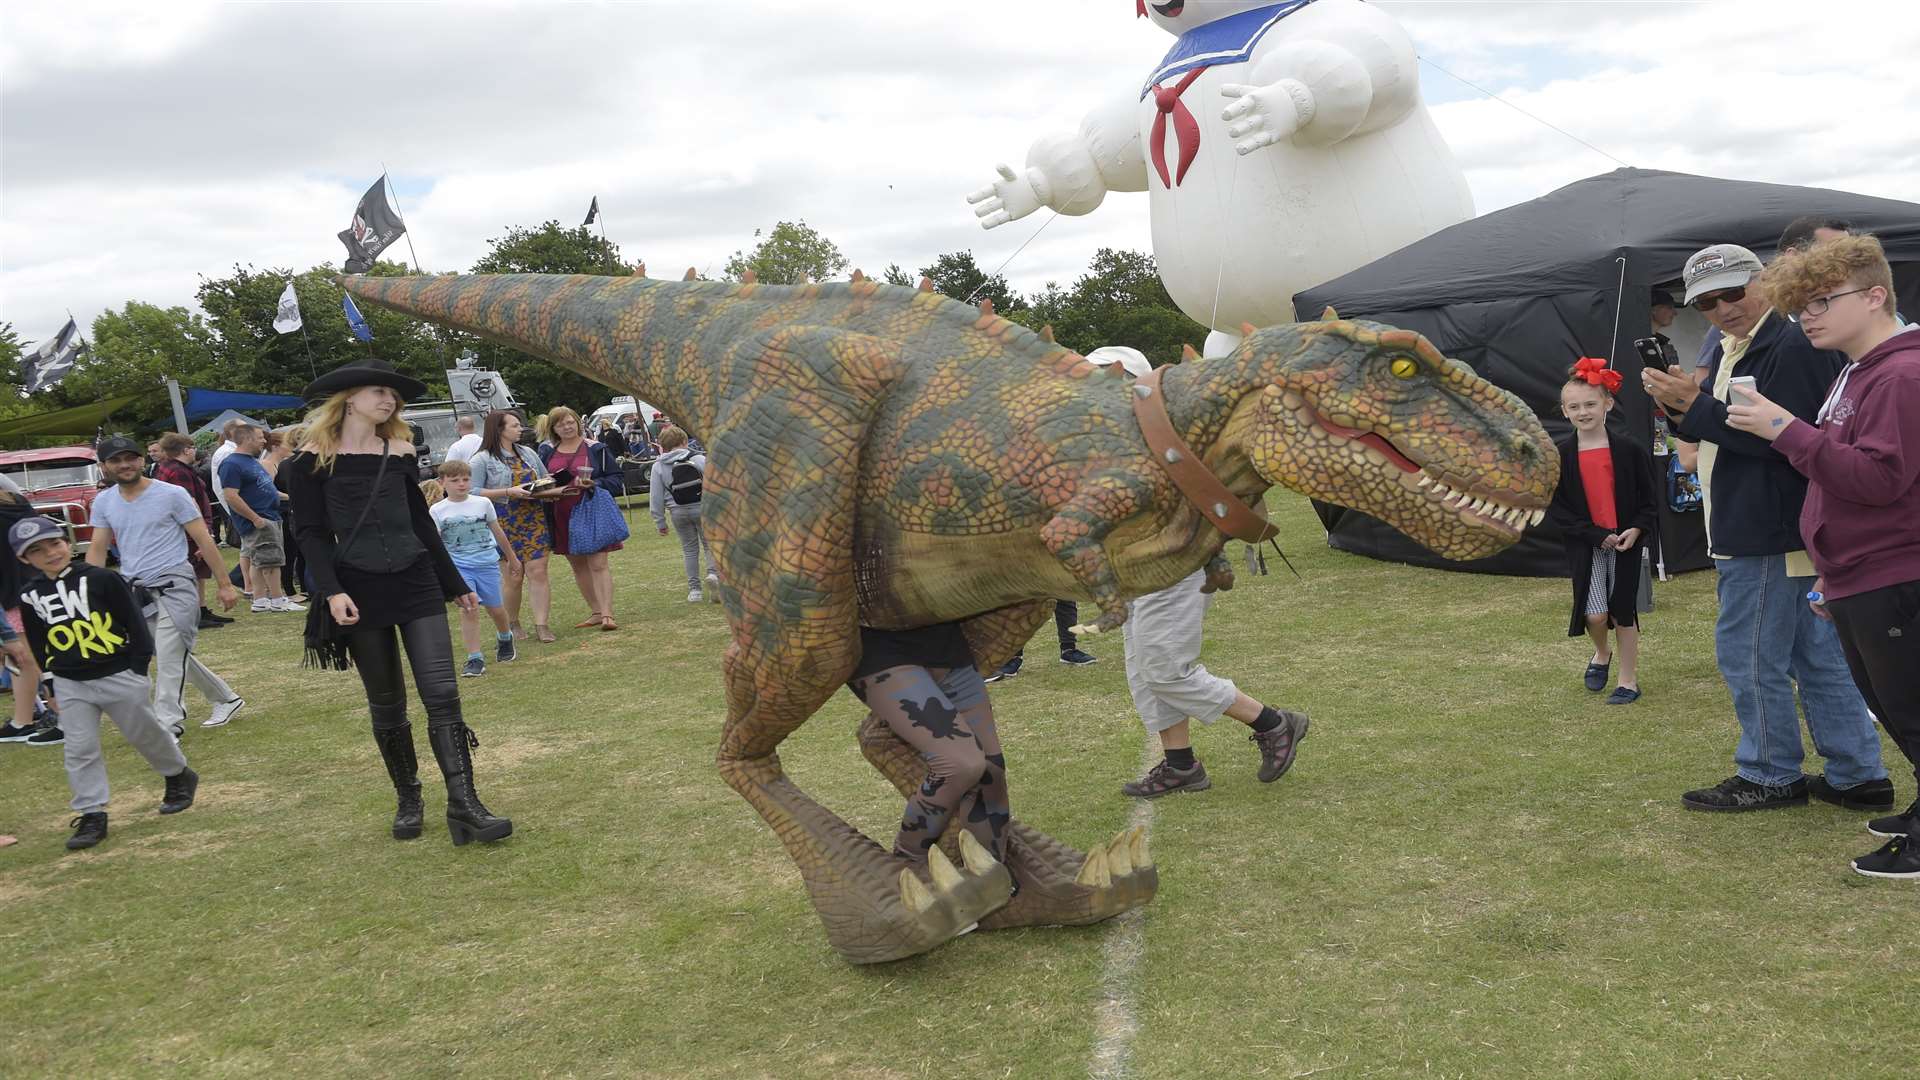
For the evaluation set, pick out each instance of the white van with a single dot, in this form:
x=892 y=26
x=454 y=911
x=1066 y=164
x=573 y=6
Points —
x=609 y=415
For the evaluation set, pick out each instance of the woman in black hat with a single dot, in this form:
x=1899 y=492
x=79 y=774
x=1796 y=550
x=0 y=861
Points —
x=382 y=579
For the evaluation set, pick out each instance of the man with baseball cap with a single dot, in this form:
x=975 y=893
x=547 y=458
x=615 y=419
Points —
x=150 y=522
x=88 y=632
x=1766 y=638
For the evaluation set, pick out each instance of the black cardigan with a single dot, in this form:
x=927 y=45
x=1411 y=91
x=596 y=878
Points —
x=1636 y=505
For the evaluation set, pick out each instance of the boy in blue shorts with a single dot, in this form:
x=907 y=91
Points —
x=472 y=533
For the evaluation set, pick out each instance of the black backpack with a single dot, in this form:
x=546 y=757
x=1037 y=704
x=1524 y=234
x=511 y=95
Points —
x=684 y=482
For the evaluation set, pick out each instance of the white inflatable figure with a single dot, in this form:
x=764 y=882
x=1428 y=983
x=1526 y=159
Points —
x=1282 y=146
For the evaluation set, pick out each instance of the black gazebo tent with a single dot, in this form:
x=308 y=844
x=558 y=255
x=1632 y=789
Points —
x=1520 y=293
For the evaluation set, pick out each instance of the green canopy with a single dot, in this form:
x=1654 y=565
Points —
x=82 y=420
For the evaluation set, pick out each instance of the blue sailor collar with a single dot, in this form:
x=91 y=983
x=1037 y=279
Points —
x=1223 y=41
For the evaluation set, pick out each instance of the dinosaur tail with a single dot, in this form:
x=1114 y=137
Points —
x=587 y=324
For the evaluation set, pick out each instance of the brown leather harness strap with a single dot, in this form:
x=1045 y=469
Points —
x=1196 y=482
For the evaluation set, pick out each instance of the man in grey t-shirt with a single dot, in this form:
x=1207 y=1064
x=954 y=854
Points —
x=150 y=522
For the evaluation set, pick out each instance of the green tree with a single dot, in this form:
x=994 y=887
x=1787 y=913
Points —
x=894 y=275
x=1118 y=301
x=788 y=254
x=9 y=347
x=137 y=348
x=957 y=275
x=547 y=249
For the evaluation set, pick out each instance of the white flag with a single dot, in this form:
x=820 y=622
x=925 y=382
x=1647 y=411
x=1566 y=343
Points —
x=287 y=319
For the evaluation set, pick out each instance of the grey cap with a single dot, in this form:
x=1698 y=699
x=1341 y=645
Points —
x=1722 y=266
x=29 y=531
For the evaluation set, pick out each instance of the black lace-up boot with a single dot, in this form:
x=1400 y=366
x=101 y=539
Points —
x=467 y=818
x=396 y=749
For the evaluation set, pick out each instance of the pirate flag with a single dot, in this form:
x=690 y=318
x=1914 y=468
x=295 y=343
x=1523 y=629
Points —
x=374 y=227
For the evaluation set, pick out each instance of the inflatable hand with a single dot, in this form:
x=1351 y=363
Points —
x=1007 y=199
x=1264 y=115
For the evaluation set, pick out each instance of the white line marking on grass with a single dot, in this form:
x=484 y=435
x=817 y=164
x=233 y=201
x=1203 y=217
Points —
x=1115 y=1021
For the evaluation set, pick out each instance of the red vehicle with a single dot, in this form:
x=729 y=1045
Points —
x=61 y=482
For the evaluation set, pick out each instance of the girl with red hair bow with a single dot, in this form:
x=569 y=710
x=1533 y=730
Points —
x=1605 y=508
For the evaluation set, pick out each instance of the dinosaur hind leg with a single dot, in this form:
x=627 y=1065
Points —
x=1059 y=885
x=778 y=506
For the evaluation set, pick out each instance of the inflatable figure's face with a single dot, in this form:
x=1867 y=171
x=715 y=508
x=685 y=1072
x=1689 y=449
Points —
x=1177 y=17
x=1375 y=419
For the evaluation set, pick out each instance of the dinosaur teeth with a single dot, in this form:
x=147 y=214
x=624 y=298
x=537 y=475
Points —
x=945 y=876
x=1423 y=481
x=1119 y=858
x=1094 y=873
x=913 y=894
x=1539 y=516
x=1139 y=855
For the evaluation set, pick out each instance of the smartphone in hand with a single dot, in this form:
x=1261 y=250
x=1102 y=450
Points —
x=1741 y=390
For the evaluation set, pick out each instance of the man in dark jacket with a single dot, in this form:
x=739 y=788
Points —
x=1766 y=638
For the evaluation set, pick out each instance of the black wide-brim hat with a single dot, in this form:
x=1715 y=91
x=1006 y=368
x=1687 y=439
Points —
x=364 y=373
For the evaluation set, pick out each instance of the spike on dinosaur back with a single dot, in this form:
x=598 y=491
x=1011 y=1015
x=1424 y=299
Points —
x=1188 y=352
x=858 y=275
x=692 y=275
x=1046 y=333
x=926 y=284
x=1330 y=315
x=640 y=269
x=749 y=278
x=1246 y=329
x=986 y=305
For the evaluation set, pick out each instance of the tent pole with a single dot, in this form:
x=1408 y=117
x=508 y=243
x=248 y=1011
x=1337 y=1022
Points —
x=179 y=410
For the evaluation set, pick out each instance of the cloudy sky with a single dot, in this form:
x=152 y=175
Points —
x=142 y=146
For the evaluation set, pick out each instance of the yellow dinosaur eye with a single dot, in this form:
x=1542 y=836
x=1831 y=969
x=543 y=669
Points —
x=1404 y=368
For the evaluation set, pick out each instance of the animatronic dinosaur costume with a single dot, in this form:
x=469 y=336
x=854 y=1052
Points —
x=892 y=457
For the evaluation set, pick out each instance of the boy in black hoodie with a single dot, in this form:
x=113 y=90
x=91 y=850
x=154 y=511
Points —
x=86 y=628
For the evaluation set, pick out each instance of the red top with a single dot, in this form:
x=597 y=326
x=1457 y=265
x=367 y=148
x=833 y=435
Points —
x=1596 y=475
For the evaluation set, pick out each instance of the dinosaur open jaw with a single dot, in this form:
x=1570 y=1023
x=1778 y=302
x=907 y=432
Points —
x=1170 y=10
x=1499 y=511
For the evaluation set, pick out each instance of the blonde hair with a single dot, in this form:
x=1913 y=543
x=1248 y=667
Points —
x=672 y=438
x=453 y=468
x=323 y=426
x=1799 y=275
x=432 y=491
x=551 y=422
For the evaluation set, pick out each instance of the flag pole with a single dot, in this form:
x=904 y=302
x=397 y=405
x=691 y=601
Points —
x=605 y=246
x=308 y=342
x=395 y=194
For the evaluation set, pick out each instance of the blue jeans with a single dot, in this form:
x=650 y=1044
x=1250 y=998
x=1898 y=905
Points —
x=1767 y=639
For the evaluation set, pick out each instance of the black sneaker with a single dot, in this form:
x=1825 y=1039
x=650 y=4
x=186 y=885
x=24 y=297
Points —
x=1278 y=746
x=503 y=649
x=1077 y=658
x=208 y=622
x=47 y=735
x=9 y=733
x=475 y=667
x=1897 y=824
x=1871 y=795
x=180 y=789
x=1738 y=793
x=88 y=830
x=1897 y=858
x=1007 y=670
x=1164 y=779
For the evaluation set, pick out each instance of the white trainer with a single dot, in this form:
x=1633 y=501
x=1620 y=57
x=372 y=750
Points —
x=694 y=597
x=281 y=603
x=223 y=712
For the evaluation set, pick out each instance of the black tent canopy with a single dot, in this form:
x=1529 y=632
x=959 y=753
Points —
x=1520 y=293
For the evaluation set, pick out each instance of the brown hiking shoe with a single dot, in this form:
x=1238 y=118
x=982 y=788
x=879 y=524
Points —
x=1277 y=747
x=1164 y=779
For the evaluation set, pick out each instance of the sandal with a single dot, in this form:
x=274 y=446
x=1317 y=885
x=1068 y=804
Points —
x=541 y=631
x=589 y=622
x=607 y=623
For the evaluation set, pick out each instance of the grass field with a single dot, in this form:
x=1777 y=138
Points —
x=1475 y=869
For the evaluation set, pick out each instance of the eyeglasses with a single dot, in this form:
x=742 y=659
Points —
x=1819 y=304
x=1713 y=300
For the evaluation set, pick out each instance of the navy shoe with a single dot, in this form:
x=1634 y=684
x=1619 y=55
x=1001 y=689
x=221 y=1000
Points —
x=1623 y=695
x=1596 y=677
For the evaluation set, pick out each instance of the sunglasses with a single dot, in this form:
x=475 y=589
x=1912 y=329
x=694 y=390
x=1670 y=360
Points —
x=1713 y=300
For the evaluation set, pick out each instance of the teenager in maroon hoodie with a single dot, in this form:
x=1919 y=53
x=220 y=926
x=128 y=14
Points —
x=1861 y=520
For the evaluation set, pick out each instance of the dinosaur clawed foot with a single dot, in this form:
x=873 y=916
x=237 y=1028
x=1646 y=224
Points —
x=1060 y=887
x=923 y=914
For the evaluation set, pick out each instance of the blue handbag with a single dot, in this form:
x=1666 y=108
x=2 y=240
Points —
x=595 y=524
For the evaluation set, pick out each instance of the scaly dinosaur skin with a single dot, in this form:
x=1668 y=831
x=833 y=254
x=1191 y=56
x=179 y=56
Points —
x=889 y=456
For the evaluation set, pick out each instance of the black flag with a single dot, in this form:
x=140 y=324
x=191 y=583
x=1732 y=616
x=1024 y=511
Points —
x=374 y=227
x=47 y=364
x=593 y=211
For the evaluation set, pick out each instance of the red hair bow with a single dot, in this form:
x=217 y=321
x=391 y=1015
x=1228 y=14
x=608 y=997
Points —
x=1592 y=369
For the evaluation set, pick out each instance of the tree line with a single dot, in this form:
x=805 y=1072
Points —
x=231 y=343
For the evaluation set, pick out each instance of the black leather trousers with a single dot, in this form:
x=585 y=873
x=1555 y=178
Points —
x=429 y=645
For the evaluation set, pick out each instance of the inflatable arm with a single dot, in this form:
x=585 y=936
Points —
x=1071 y=173
x=1317 y=91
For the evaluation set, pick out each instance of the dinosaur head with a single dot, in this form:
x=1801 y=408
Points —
x=1374 y=418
